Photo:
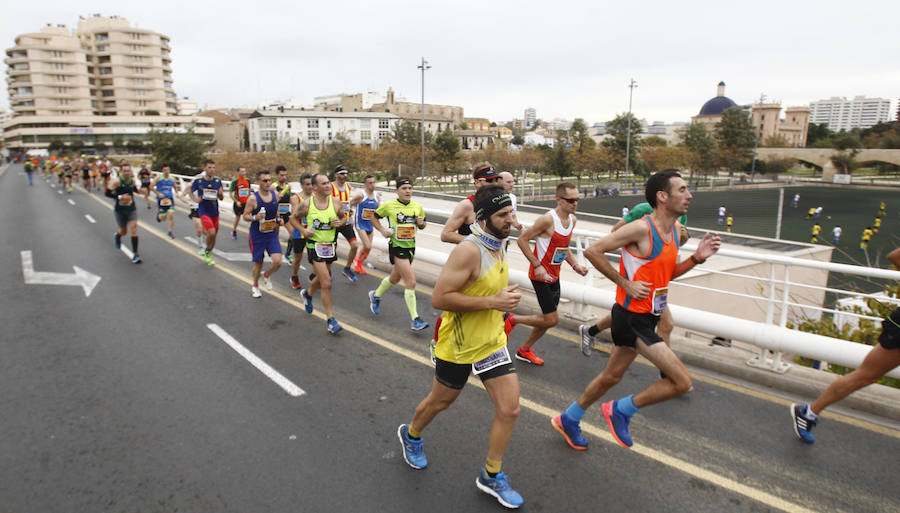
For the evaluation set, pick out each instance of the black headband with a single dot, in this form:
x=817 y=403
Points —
x=403 y=181
x=491 y=204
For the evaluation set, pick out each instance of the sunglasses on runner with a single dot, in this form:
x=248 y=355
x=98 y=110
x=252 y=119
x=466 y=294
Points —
x=571 y=201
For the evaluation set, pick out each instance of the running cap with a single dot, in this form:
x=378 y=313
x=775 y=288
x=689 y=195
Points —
x=486 y=171
x=340 y=170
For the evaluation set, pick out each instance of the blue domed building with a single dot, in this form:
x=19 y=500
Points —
x=711 y=111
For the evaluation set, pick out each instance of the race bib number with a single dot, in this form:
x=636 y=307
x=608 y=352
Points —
x=325 y=249
x=210 y=194
x=243 y=193
x=496 y=359
x=405 y=232
x=165 y=202
x=267 y=225
x=368 y=213
x=125 y=199
x=284 y=208
x=559 y=256
x=660 y=298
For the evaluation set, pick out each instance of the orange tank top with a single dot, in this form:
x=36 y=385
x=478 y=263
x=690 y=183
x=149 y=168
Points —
x=656 y=268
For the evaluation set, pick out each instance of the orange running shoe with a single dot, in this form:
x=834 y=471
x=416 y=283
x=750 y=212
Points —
x=526 y=354
x=357 y=266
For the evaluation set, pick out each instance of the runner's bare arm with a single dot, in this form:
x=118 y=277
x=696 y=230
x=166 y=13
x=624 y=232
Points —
x=707 y=247
x=461 y=270
x=460 y=214
x=248 y=208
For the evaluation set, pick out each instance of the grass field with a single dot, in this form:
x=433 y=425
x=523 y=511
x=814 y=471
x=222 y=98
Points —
x=755 y=213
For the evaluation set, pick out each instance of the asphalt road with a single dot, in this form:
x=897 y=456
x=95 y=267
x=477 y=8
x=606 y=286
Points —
x=125 y=400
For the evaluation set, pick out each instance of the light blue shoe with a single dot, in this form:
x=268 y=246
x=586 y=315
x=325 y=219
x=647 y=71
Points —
x=418 y=324
x=499 y=488
x=333 y=326
x=374 y=303
x=308 y=299
x=413 y=450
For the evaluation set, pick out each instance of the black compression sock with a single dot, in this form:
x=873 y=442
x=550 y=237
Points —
x=592 y=331
x=134 y=241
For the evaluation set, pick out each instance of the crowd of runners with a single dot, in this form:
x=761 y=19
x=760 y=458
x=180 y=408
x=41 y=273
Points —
x=473 y=289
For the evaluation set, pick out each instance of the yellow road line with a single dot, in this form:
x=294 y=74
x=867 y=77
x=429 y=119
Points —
x=545 y=411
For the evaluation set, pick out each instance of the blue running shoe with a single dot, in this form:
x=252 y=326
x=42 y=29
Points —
x=136 y=259
x=333 y=326
x=413 y=450
x=349 y=274
x=499 y=488
x=308 y=299
x=418 y=324
x=118 y=240
x=802 y=425
x=374 y=303
x=571 y=431
x=618 y=423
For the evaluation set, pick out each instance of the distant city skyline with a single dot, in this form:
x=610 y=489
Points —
x=570 y=63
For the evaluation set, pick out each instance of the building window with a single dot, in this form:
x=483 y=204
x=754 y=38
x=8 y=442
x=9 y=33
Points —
x=382 y=134
x=329 y=136
x=267 y=123
x=365 y=123
x=384 y=123
x=365 y=135
x=313 y=134
x=289 y=123
x=313 y=123
x=328 y=122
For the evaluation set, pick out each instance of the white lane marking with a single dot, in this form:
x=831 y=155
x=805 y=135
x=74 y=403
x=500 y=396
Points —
x=127 y=251
x=59 y=191
x=292 y=389
x=53 y=185
x=71 y=201
x=80 y=278
x=89 y=218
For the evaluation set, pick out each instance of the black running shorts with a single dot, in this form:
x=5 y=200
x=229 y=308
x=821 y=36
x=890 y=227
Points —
x=890 y=331
x=547 y=295
x=347 y=232
x=404 y=253
x=455 y=375
x=628 y=326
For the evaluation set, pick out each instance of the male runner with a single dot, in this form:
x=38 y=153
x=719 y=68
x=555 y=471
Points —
x=122 y=189
x=324 y=214
x=144 y=174
x=164 y=187
x=456 y=229
x=186 y=196
x=551 y=233
x=880 y=360
x=473 y=290
x=86 y=175
x=283 y=191
x=67 y=178
x=405 y=217
x=29 y=170
x=207 y=191
x=365 y=202
x=240 y=193
x=509 y=182
x=298 y=242
x=340 y=189
x=648 y=263
x=666 y=323
x=262 y=213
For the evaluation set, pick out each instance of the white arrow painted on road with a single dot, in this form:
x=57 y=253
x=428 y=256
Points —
x=80 y=277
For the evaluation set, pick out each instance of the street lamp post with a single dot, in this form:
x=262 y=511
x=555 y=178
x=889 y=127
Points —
x=756 y=130
x=423 y=66
x=631 y=86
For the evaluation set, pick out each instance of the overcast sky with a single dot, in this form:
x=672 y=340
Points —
x=495 y=58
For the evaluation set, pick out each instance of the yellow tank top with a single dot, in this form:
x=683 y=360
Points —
x=469 y=337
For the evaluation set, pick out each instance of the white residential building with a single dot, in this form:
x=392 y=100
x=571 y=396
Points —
x=186 y=107
x=530 y=117
x=309 y=129
x=839 y=113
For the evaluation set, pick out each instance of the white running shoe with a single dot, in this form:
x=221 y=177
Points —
x=254 y=291
x=267 y=282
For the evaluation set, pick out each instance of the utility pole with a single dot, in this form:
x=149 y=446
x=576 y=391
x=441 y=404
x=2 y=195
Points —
x=423 y=66
x=631 y=86
x=756 y=129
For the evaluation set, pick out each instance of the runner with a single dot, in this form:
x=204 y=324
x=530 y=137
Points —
x=262 y=213
x=186 y=196
x=456 y=229
x=880 y=360
x=366 y=202
x=86 y=175
x=551 y=234
x=122 y=189
x=666 y=323
x=164 y=187
x=509 y=183
x=323 y=213
x=67 y=178
x=283 y=191
x=405 y=217
x=207 y=191
x=240 y=193
x=473 y=290
x=641 y=292
x=144 y=174
x=29 y=170
x=297 y=240
x=105 y=168
x=340 y=189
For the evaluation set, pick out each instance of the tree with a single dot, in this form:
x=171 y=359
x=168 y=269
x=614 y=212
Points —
x=658 y=158
x=776 y=141
x=135 y=146
x=56 y=146
x=409 y=132
x=846 y=160
x=701 y=146
x=580 y=136
x=151 y=112
x=816 y=132
x=736 y=139
x=559 y=160
x=76 y=146
x=618 y=129
x=654 y=140
x=446 y=149
x=245 y=140
x=181 y=151
x=118 y=143
x=336 y=152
